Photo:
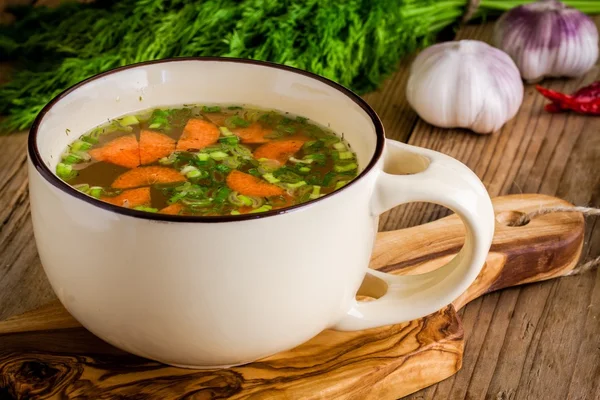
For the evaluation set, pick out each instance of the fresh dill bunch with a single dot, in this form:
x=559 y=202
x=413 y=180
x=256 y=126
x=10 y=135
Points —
x=354 y=42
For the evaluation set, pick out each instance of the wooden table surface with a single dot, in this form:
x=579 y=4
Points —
x=540 y=341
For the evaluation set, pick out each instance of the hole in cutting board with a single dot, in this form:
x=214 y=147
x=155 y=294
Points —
x=512 y=218
x=371 y=289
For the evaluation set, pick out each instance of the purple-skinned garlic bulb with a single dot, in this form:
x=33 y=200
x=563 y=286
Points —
x=465 y=84
x=548 y=39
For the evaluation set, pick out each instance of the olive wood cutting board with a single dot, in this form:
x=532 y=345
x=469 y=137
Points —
x=46 y=354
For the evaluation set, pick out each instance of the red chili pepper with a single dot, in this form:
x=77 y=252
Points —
x=584 y=101
x=589 y=92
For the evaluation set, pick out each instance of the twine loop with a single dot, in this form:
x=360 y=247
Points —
x=586 y=211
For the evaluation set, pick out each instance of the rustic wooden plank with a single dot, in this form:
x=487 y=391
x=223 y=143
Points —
x=518 y=344
x=23 y=285
x=540 y=341
x=391 y=105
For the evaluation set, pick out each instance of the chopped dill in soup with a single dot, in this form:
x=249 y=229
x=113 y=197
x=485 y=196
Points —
x=208 y=161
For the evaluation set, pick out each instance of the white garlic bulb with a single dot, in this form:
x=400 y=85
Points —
x=547 y=38
x=465 y=84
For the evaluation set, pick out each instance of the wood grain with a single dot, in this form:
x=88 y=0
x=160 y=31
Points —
x=71 y=363
x=541 y=341
x=23 y=284
x=40 y=356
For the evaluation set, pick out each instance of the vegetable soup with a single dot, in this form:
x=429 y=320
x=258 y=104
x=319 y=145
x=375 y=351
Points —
x=208 y=161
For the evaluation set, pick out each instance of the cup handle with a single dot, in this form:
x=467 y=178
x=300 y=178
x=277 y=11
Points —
x=443 y=181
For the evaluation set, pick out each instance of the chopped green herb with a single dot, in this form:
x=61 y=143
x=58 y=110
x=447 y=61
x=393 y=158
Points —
x=245 y=199
x=286 y=129
x=188 y=168
x=129 y=120
x=237 y=122
x=270 y=178
x=295 y=185
x=286 y=175
x=313 y=146
x=72 y=159
x=232 y=140
x=89 y=139
x=145 y=208
x=218 y=155
x=316 y=192
x=304 y=161
x=254 y=172
x=225 y=131
x=96 y=191
x=261 y=209
x=159 y=119
x=345 y=168
x=80 y=145
x=242 y=151
x=222 y=194
x=328 y=178
x=223 y=168
x=84 y=187
x=345 y=155
x=231 y=163
x=339 y=184
x=166 y=161
x=193 y=174
x=211 y=109
x=65 y=171
x=318 y=158
x=197 y=203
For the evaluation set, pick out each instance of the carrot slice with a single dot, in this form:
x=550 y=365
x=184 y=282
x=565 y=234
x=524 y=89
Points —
x=173 y=209
x=130 y=198
x=154 y=146
x=197 y=134
x=146 y=176
x=123 y=151
x=251 y=186
x=280 y=150
x=255 y=133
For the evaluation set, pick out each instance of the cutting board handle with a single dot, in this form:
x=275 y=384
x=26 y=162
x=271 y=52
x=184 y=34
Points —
x=548 y=246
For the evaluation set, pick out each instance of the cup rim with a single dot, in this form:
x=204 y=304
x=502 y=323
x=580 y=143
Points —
x=52 y=178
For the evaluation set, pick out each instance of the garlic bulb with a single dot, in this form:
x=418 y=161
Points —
x=465 y=84
x=548 y=39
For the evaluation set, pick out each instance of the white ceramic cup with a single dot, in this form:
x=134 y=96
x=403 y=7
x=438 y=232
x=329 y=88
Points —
x=220 y=291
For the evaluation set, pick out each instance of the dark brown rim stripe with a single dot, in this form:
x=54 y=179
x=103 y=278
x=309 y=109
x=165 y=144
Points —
x=41 y=167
